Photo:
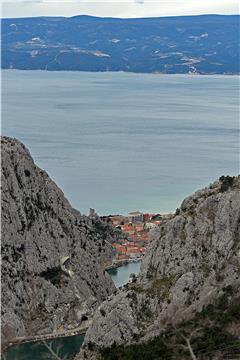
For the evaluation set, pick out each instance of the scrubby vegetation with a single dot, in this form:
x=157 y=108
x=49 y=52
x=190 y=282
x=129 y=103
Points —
x=226 y=182
x=211 y=334
x=106 y=231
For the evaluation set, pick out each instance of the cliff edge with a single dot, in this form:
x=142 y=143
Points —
x=52 y=256
x=191 y=263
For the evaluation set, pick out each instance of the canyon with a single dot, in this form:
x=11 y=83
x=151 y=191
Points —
x=54 y=260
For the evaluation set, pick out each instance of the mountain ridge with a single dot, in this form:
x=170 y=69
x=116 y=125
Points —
x=202 y=44
x=190 y=270
x=53 y=258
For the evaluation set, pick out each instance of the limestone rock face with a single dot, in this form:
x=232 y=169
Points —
x=52 y=276
x=189 y=262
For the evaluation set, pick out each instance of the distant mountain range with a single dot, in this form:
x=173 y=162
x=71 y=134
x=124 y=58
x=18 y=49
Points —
x=206 y=44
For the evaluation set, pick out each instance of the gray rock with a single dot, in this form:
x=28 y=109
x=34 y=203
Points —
x=52 y=256
x=190 y=260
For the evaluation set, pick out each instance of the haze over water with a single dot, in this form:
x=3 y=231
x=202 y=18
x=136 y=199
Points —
x=119 y=141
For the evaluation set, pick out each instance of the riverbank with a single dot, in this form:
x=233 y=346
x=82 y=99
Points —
x=35 y=347
x=118 y=263
x=62 y=347
x=78 y=331
x=121 y=274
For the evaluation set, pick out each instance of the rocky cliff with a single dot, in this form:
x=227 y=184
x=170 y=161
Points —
x=52 y=276
x=192 y=262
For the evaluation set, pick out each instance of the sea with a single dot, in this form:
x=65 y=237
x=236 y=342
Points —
x=120 y=142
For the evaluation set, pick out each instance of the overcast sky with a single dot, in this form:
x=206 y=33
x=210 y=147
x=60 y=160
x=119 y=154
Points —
x=124 y=8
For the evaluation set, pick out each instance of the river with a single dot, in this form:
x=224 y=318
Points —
x=120 y=276
x=68 y=346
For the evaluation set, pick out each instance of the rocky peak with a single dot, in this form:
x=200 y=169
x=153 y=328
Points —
x=51 y=254
x=190 y=262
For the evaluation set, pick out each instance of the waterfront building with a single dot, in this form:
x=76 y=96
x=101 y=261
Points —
x=135 y=217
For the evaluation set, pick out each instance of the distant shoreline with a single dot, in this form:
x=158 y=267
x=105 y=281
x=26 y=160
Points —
x=94 y=17
x=121 y=71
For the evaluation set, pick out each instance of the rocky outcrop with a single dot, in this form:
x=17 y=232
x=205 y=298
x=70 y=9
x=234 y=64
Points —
x=51 y=273
x=190 y=262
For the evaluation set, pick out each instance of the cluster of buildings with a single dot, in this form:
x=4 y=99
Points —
x=136 y=226
x=128 y=250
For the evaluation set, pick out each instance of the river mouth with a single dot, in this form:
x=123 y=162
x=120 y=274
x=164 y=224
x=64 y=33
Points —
x=67 y=347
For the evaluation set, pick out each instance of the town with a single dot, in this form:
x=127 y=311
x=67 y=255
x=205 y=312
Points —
x=136 y=225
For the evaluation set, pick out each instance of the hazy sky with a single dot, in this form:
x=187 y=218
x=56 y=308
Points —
x=124 y=8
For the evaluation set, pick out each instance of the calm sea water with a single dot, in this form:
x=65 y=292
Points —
x=119 y=142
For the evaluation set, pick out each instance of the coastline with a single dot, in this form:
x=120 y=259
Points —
x=122 y=72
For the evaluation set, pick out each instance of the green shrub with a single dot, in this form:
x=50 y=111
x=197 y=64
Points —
x=212 y=334
x=226 y=182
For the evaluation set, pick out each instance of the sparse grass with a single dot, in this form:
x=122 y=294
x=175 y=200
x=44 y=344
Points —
x=160 y=287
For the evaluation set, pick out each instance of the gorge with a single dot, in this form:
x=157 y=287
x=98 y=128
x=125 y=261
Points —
x=187 y=289
x=53 y=277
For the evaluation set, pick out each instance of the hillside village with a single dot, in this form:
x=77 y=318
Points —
x=136 y=225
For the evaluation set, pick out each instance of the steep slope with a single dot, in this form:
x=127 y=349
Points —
x=51 y=254
x=193 y=261
x=184 y=44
